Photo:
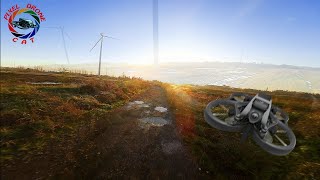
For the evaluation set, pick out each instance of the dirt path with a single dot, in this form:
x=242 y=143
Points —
x=142 y=142
x=139 y=141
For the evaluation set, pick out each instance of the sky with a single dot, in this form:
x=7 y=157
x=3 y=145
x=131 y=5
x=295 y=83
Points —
x=262 y=31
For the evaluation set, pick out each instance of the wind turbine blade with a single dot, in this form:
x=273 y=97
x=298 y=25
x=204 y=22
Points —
x=61 y=29
x=64 y=46
x=64 y=33
x=51 y=27
x=96 y=44
x=111 y=37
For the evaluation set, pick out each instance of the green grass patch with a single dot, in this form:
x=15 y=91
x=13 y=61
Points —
x=32 y=115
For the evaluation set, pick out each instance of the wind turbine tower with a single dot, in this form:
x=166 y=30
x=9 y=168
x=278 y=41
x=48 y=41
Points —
x=63 y=33
x=155 y=32
x=101 y=40
x=64 y=44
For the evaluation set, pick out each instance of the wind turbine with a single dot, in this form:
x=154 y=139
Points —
x=61 y=28
x=155 y=32
x=101 y=39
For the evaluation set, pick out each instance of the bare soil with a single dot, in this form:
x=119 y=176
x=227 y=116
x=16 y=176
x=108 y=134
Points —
x=121 y=146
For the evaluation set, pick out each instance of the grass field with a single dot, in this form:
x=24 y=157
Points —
x=48 y=110
x=34 y=111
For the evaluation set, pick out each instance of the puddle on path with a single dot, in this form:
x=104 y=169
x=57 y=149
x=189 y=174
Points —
x=160 y=109
x=137 y=104
x=144 y=105
x=171 y=147
x=154 y=121
x=148 y=116
x=147 y=112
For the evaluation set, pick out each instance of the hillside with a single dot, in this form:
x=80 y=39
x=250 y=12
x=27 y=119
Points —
x=71 y=126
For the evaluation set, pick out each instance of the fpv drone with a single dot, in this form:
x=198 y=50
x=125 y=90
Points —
x=24 y=23
x=256 y=115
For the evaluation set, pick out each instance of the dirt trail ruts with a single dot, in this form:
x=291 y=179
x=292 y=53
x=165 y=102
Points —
x=139 y=141
x=136 y=149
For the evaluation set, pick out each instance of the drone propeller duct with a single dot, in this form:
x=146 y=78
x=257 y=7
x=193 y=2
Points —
x=254 y=116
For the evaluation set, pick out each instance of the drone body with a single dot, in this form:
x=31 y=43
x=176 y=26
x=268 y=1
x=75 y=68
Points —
x=256 y=115
x=24 y=23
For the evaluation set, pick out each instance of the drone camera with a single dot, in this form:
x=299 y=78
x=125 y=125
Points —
x=254 y=116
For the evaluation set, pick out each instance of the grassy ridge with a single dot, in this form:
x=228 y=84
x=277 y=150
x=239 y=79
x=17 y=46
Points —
x=34 y=115
x=39 y=116
x=223 y=156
